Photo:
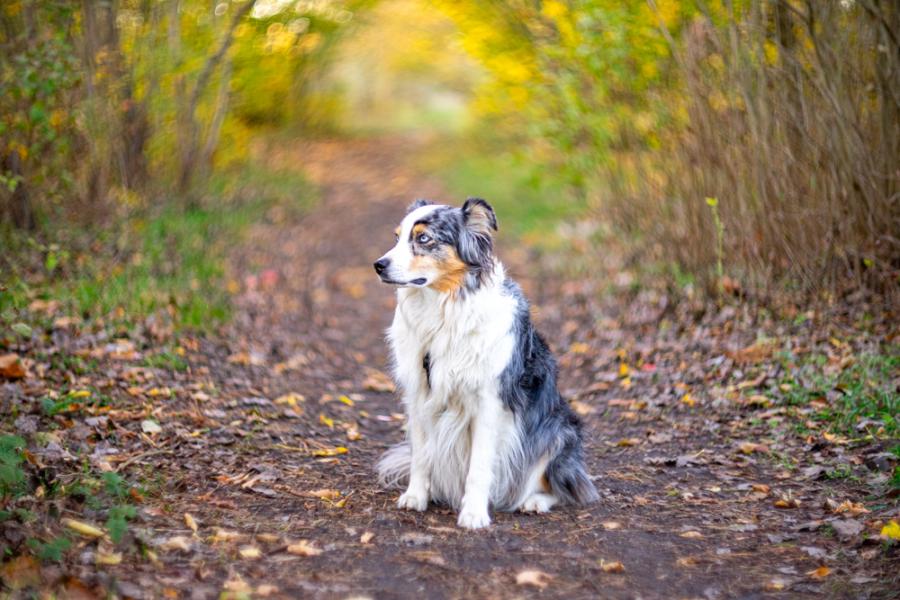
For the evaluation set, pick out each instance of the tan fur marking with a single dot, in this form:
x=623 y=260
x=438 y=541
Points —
x=423 y=262
x=397 y=232
x=453 y=273
x=419 y=228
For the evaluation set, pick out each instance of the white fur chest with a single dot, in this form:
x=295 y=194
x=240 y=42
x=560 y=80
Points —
x=467 y=341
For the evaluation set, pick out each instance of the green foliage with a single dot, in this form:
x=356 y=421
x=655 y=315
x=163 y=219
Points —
x=115 y=485
x=117 y=521
x=12 y=477
x=864 y=390
x=52 y=550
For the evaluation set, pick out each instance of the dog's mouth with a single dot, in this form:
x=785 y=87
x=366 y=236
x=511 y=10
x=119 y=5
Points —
x=418 y=281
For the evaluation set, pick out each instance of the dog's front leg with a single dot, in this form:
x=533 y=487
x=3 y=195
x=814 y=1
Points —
x=416 y=495
x=473 y=513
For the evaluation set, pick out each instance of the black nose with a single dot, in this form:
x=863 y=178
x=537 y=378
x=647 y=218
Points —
x=381 y=264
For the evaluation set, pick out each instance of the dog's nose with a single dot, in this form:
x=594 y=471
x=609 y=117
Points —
x=381 y=264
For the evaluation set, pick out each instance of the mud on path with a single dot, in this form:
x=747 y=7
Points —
x=700 y=497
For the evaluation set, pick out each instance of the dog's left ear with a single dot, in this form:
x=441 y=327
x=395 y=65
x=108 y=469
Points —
x=479 y=217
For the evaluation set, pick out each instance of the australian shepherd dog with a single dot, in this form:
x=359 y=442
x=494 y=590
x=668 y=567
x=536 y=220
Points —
x=486 y=425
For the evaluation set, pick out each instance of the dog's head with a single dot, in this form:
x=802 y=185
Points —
x=442 y=247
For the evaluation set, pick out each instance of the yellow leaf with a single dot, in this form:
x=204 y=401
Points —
x=108 y=558
x=304 y=548
x=190 y=522
x=326 y=421
x=624 y=443
x=688 y=399
x=623 y=370
x=613 y=566
x=84 y=529
x=249 y=552
x=345 y=400
x=330 y=451
x=325 y=494
x=290 y=399
x=579 y=348
x=891 y=530
x=79 y=394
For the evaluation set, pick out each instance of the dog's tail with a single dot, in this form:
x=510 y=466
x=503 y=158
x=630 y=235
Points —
x=393 y=467
x=568 y=478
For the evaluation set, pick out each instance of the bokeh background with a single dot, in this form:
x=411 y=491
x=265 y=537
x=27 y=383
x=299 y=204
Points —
x=732 y=147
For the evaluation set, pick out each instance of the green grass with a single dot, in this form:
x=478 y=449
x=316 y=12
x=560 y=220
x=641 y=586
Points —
x=168 y=261
x=865 y=390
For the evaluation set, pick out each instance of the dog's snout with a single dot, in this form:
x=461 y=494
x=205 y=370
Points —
x=381 y=264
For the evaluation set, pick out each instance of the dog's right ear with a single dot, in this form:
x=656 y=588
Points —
x=418 y=203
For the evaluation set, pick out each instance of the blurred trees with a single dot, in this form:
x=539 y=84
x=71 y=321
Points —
x=99 y=99
x=784 y=112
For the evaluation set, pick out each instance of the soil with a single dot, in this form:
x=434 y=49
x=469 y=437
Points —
x=702 y=496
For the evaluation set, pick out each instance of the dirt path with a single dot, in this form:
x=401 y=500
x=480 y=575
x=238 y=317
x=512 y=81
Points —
x=686 y=512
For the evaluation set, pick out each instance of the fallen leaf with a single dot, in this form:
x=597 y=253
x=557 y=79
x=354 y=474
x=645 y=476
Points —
x=224 y=535
x=538 y=579
x=582 y=408
x=151 y=427
x=11 y=366
x=761 y=488
x=751 y=448
x=688 y=399
x=787 y=502
x=108 y=558
x=366 y=537
x=303 y=548
x=820 y=573
x=325 y=494
x=891 y=530
x=376 y=381
x=267 y=538
x=613 y=566
x=290 y=399
x=611 y=525
x=20 y=572
x=691 y=535
x=84 y=529
x=328 y=421
x=686 y=561
x=177 y=542
x=330 y=451
x=624 y=443
x=852 y=508
x=190 y=522
x=249 y=552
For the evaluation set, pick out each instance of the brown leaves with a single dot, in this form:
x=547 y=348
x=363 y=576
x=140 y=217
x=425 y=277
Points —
x=376 y=381
x=21 y=572
x=612 y=566
x=755 y=353
x=11 y=366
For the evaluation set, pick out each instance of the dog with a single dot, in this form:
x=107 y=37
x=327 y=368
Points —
x=486 y=425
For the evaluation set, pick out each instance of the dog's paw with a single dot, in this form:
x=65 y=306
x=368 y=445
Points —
x=413 y=500
x=473 y=519
x=538 y=503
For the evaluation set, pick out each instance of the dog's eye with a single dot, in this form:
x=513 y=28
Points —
x=423 y=238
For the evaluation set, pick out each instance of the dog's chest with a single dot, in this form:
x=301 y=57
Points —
x=456 y=352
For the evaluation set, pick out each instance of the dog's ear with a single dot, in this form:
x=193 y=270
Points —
x=476 y=243
x=417 y=203
x=479 y=217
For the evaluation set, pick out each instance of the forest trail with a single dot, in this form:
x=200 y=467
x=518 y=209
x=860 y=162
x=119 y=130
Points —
x=253 y=438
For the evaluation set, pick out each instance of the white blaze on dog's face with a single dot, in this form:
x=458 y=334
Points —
x=440 y=246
